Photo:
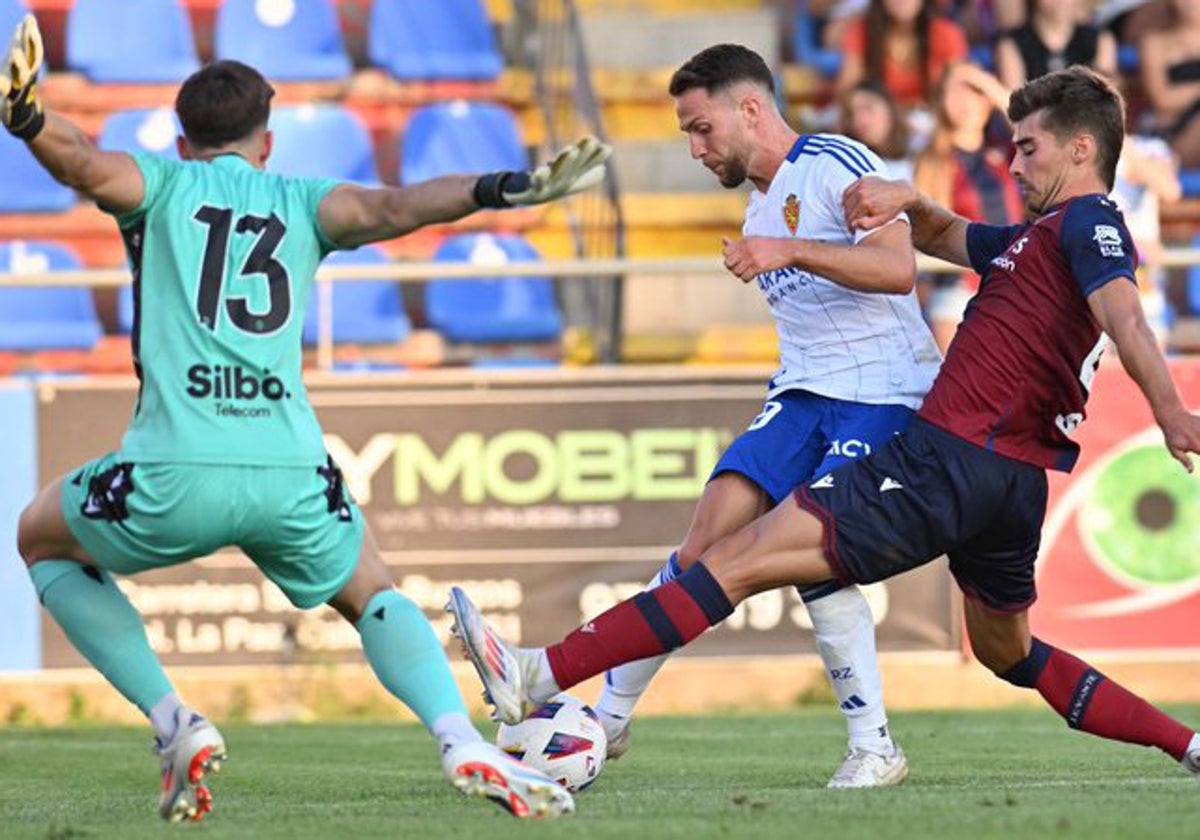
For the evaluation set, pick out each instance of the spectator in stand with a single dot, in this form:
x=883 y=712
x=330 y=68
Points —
x=1171 y=78
x=1054 y=36
x=961 y=171
x=984 y=20
x=904 y=44
x=869 y=114
x=833 y=16
x=1147 y=177
x=1131 y=20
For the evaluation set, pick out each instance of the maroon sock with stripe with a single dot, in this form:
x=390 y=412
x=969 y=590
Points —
x=650 y=623
x=1090 y=701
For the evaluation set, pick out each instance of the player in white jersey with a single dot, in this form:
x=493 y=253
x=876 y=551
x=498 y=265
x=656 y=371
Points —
x=856 y=360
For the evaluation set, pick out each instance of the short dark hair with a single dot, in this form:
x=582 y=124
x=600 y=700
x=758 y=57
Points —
x=1077 y=100
x=223 y=103
x=719 y=67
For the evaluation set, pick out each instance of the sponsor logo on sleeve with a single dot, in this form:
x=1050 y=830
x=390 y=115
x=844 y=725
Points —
x=1108 y=239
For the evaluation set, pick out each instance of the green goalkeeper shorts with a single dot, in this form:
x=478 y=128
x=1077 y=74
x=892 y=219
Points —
x=298 y=524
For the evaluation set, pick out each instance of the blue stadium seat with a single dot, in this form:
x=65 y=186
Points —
x=44 y=317
x=150 y=130
x=494 y=309
x=1193 y=283
x=11 y=11
x=1189 y=179
x=132 y=41
x=25 y=187
x=322 y=141
x=433 y=39
x=285 y=40
x=366 y=311
x=460 y=136
x=806 y=45
x=125 y=310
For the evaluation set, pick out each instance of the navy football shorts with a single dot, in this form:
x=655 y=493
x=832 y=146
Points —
x=929 y=493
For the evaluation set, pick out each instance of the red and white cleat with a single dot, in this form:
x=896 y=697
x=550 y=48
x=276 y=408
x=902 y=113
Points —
x=480 y=769
x=193 y=753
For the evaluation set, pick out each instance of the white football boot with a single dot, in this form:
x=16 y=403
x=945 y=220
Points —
x=864 y=769
x=616 y=730
x=480 y=769
x=195 y=751
x=495 y=661
x=1191 y=760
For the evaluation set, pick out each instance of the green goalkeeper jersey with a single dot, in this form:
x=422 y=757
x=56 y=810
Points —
x=223 y=257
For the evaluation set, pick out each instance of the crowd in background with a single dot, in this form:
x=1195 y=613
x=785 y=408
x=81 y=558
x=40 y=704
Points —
x=920 y=83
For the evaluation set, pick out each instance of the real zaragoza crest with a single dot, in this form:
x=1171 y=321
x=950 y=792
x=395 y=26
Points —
x=791 y=213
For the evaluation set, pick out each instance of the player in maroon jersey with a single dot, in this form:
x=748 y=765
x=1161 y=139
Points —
x=967 y=478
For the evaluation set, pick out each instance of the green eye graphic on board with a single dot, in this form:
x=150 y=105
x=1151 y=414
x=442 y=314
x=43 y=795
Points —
x=1140 y=519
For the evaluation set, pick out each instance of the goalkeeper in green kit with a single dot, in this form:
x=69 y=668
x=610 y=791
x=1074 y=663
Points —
x=223 y=448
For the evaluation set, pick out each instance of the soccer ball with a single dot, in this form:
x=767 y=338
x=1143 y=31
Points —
x=563 y=739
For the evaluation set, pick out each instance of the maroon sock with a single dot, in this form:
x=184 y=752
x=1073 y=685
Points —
x=650 y=623
x=1093 y=703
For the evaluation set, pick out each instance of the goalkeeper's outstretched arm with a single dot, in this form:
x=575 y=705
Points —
x=111 y=178
x=353 y=216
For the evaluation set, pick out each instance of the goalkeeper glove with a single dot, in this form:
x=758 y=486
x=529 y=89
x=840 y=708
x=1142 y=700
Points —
x=20 y=108
x=577 y=167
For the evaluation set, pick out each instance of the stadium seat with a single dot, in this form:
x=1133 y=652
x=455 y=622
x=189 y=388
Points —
x=11 y=12
x=503 y=309
x=25 y=187
x=365 y=311
x=44 y=317
x=125 y=309
x=150 y=130
x=287 y=40
x=426 y=40
x=1189 y=179
x=322 y=141
x=450 y=137
x=806 y=45
x=1193 y=283
x=131 y=41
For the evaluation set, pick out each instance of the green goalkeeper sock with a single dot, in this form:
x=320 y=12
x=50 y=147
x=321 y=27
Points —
x=407 y=657
x=103 y=626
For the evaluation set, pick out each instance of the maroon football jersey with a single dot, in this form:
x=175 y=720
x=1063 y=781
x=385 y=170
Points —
x=1017 y=374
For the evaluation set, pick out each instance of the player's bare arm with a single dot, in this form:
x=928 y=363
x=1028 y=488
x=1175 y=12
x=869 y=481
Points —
x=1118 y=309
x=871 y=201
x=353 y=216
x=883 y=262
x=110 y=178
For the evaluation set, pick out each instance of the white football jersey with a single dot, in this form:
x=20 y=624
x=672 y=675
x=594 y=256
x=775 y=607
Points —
x=834 y=341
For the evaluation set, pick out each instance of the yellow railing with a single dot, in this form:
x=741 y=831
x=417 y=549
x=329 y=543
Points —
x=414 y=272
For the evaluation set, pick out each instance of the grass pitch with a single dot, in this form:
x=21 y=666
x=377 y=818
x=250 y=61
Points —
x=980 y=774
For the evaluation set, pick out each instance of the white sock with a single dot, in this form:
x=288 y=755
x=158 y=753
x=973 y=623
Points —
x=163 y=716
x=625 y=684
x=536 y=674
x=1193 y=750
x=845 y=636
x=454 y=728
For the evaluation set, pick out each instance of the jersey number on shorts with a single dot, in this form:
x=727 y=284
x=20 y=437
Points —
x=261 y=261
